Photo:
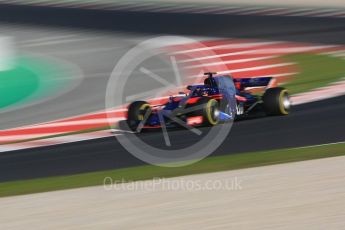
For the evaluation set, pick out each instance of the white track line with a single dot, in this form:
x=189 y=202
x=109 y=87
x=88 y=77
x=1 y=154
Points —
x=327 y=144
x=280 y=75
x=264 y=51
x=332 y=90
x=230 y=62
x=46 y=39
x=252 y=68
x=79 y=122
x=56 y=42
x=56 y=141
x=338 y=53
x=228 y=46
x=114 y=110
x=257 y=68
x=19 y=137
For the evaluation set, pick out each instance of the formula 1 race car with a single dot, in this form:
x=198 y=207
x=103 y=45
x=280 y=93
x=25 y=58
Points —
x=220 y=99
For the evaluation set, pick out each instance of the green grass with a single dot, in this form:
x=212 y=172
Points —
x=211 y=164
x=315 y=71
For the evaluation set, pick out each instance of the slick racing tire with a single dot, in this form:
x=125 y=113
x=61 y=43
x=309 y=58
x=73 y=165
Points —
x=136 y=113
x=276 y=101
x=209 y=112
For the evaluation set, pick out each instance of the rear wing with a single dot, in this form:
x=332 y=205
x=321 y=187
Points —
x=254 y=82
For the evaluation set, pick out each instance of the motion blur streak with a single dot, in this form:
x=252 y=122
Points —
x=114 y=36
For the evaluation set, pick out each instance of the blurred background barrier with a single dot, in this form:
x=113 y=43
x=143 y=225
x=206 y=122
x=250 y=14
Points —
x=290 y=3
x=141 y=19
x=310 y=3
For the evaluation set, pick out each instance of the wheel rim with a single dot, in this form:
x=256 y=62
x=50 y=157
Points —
x=142 y=112
x=213 y=112
x=285 y=103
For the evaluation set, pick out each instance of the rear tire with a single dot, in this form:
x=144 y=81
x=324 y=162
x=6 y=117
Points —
x=136 y=113
x=276 y=101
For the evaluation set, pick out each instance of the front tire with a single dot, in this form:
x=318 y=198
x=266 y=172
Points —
x=276 y=101
x=210 y=111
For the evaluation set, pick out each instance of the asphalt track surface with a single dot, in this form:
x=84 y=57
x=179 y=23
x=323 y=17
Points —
x=315 y=123
x=310 y=124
